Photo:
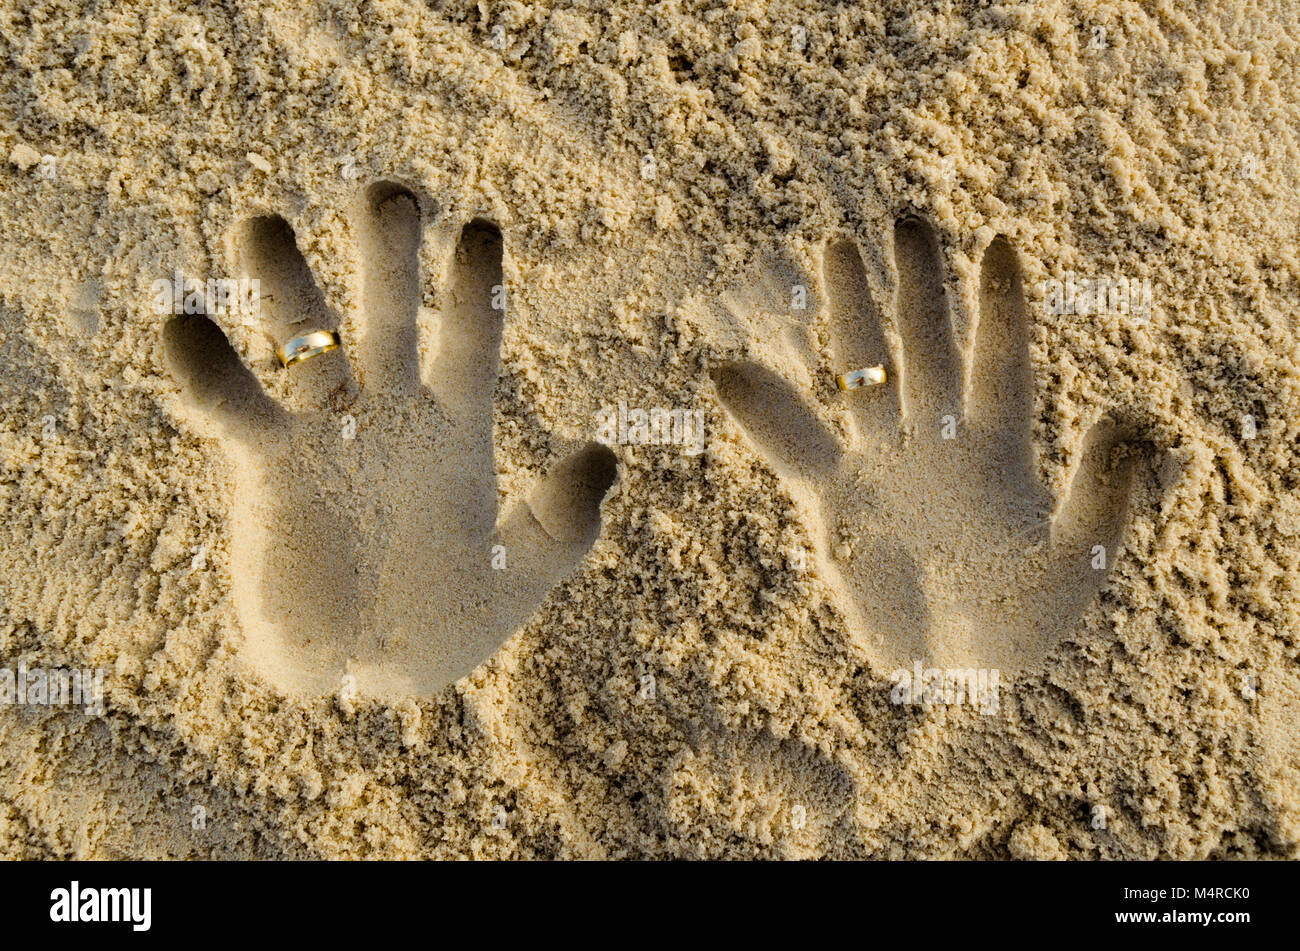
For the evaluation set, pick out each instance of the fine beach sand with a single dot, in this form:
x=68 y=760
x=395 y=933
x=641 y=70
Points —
x=441 y=593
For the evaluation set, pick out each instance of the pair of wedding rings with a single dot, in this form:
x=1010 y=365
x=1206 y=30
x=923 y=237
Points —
x=315 y=342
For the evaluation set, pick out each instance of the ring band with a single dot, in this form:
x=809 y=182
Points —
x=867 y=376
x=308 y=345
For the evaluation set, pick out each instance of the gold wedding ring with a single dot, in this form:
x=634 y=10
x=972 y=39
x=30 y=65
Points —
x=308 y=345
x=867 y=376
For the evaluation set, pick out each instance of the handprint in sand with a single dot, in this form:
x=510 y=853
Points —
x=367 y=538
x=931 y=520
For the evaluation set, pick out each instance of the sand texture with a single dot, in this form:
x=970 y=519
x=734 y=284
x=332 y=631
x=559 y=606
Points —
x=574 y=547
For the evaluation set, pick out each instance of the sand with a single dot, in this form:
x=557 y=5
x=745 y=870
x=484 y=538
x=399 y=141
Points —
x=574 y=548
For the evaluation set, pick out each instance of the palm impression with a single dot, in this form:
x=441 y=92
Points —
x=367 y=538
x=931 y=522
